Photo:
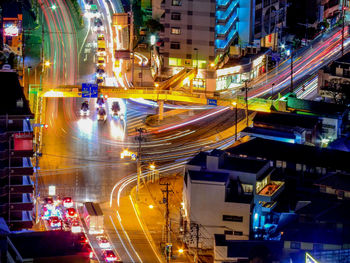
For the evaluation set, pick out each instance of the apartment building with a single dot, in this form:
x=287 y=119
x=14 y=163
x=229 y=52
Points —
x=199 y=33
x=16 y=149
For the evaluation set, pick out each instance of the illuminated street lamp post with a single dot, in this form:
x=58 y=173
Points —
x=236 y=118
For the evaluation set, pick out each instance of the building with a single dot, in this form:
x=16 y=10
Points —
x=238 y=183
x=334 y=81
x=287 y=127
x=16 y=150
x=337 y=184
x=332 y=9
x=47 y=246
x=200 y=33
x=295 y=157
x=228 y=212
x=227 y=250
x=333 y=117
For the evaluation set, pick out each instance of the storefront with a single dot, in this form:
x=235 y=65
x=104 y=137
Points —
x=233 y=77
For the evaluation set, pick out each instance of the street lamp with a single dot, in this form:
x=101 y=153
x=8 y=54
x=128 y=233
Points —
x=236 y=118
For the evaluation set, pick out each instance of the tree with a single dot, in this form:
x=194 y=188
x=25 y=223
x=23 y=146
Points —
x=154 y=25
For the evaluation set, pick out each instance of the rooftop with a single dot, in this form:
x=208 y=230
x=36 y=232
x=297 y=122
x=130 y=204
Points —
x=339 y=181
x=208 y=176
x=13 y=92
x=242 y=164
x=295 y=153
x=257 y=131
x=315 y=107
x=286 y=119
x=312 y=233
x=249 y=248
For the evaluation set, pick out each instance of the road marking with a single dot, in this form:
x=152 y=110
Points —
x=121 y=239
x=138 y=219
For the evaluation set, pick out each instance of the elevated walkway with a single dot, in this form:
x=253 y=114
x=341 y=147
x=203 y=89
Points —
x=152 y=93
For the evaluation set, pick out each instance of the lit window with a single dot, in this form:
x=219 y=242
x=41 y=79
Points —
x=176 y=2
x=175 y=31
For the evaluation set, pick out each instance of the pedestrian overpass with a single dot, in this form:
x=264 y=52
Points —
x=155 y=94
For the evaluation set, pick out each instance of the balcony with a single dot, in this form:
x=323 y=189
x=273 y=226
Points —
x=267 y=206
x=21 y=189
x=25 y=222
x=21 y=206
x=270 y=191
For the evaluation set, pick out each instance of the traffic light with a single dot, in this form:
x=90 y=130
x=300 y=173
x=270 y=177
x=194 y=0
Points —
x=44 y=126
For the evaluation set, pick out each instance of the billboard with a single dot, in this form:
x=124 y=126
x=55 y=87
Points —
x=23 y=141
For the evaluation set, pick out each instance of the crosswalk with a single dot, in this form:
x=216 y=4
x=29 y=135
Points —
x=135 y=119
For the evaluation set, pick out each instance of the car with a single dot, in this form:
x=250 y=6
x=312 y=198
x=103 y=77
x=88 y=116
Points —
x=100 y=72
x=100 y=79
x=84 y=111
x=101 y=115
x=100 y=102
x=115 y=108
x=100 y=37
x=82 y=238
x=101 y=61
x=75 y=227
x=67 y=202
x=103 y=242
x=98 y=25
x=109 y=256
x=55 y=222
x=71 y=213
x=48 y=200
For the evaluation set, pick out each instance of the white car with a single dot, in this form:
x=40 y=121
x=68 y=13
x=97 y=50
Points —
x=103 y=242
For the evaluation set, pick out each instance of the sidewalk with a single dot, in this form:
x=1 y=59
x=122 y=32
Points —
x=153 y=219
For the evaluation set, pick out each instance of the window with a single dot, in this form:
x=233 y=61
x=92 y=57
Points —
x=175 y=45
x=189 y=27
x=228 y=232
x=176 y=2
x=189 y=41
x=175 y=31
x=295 y=245
x=189 y=13
x=238 y=233
x=232 y=218
x=175 y=16
x=247 y=188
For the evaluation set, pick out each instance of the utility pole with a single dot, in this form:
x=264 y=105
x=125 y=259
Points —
x=167 y=221
x=246 y=100
x=139 y=138
x=197 y=241
x=236 y=116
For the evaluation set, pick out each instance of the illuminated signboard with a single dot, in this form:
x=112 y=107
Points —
x=23 y=141
x=11 y=30
x=228 y=71
x=258 y=61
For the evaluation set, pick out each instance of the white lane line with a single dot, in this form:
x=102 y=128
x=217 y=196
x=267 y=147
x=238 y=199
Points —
x=116 y=230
